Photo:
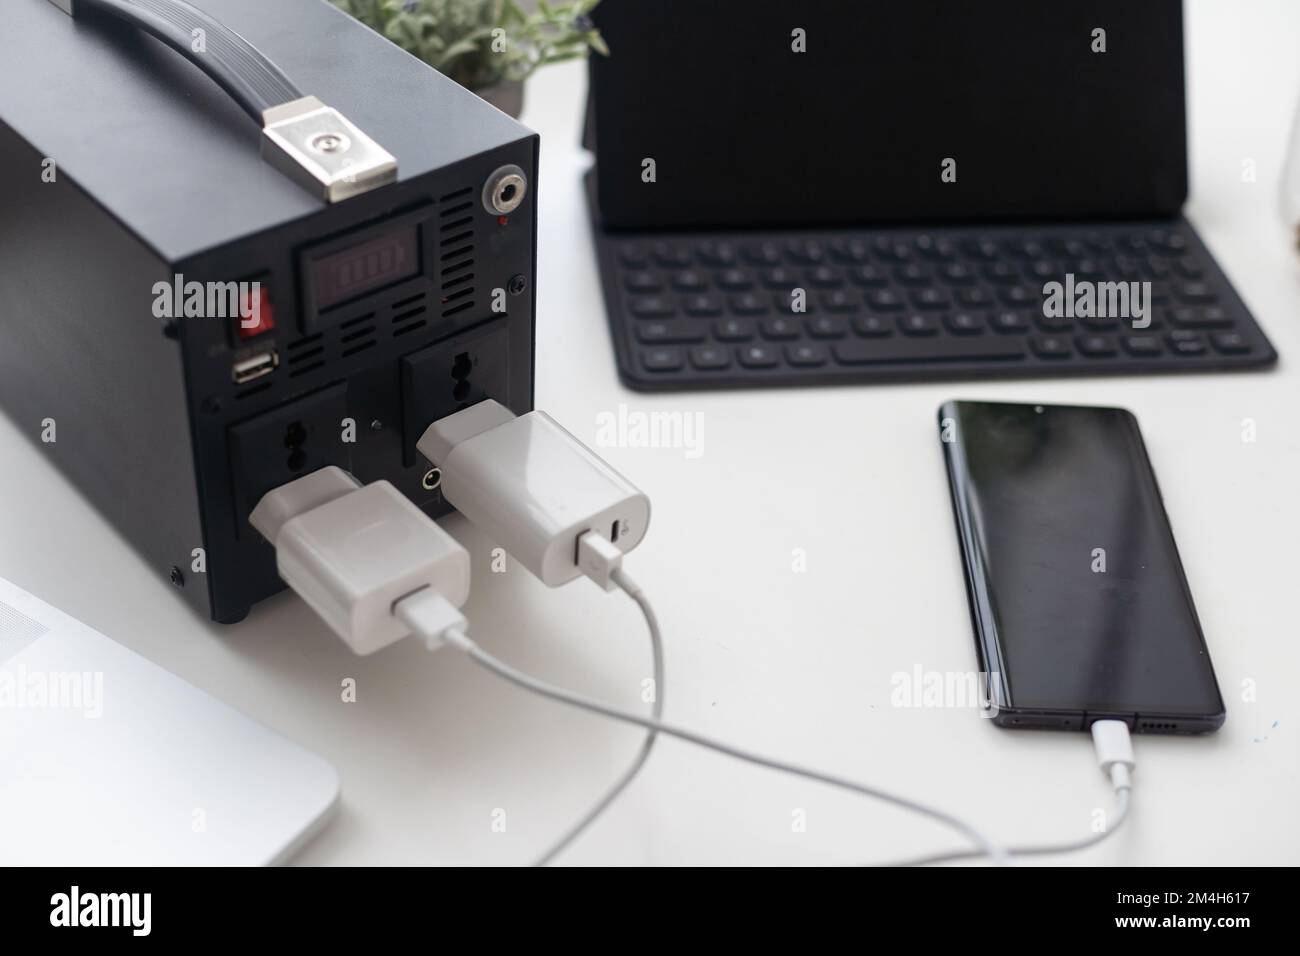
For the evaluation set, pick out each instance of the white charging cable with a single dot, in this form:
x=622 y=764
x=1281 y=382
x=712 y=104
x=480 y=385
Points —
x=436 y=632
x=1114 y=750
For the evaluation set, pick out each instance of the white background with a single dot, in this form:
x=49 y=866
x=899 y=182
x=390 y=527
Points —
x=797 y=665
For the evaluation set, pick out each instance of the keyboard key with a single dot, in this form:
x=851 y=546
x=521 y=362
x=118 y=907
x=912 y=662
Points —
x=633 y=255
x=807 y=355
x=1196 y=292
x=735 y=280
x=652 y=306
x=708 y=357
x=1186 y=343
x=849 y=250
x=975 y=298
x=1199 y=317
x=931 y=299
x=702 y=305
x=1230 y=343
x=932 y=248
x=873 y=326
x=670 y=256
x=1019 y=296
x=957 y=273
x=806 y=251
x=717 y=253
x=912 y=274
x=1009 y=322
x=1099 y=243
x=1156 y=268
x=891 y=250
x=1143 y=346
x=778 y=328
x=794 y=302
x=733 y=330
x=1101 y=323
x=840 y=301
x=1003 y=273
x=1069 y=248
x=1127 y=268
x=661 y=360
x=757 y=356
x=779 y=277
x=827 y=327
x=672 y=331
x=885 y=300
x=1053 y=323
x=824 y=277
x=688 y=280
x=764 y=253
x=1170 y=243
x=1189 y=269
x=642 y=282
x=1051 y=346
x=918 y=324
x=1042 y=270
x=963 y=323
x=1025 y=248
x=938 y=349
x=747 y=303
x=1096 y=346
x=869 y=276
x=984 y=249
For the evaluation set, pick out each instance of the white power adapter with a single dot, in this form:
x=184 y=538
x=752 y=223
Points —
x=536 y=491
x=353 y=552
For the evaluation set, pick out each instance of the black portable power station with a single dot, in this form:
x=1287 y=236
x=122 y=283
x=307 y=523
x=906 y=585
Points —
x=196 y=308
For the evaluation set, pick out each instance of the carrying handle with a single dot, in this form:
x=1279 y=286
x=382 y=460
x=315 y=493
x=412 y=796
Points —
x=310 y=142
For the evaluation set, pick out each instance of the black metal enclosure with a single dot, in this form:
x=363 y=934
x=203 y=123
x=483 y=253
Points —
x=122 y=166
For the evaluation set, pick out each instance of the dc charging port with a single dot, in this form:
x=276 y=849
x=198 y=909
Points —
x=505 y=190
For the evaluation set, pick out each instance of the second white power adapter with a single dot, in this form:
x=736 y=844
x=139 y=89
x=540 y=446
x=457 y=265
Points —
x=353 y=552
x=532 y=487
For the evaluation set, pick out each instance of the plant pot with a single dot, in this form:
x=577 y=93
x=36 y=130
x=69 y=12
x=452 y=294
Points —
x=506 y=96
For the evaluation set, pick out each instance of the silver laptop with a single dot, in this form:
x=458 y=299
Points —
x=107 y=759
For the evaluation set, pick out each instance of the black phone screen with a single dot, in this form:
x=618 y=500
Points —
x=1080 y=605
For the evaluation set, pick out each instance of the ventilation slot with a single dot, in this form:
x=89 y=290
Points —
x=409 y=314
x=357 y=335
x=300 y=353
x=456 y=254
x=305 y=369
x=250 y=392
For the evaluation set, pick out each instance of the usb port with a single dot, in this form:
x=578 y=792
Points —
x=255 y=366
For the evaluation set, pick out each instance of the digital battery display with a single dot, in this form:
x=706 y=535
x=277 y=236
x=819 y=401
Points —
x=342 y=276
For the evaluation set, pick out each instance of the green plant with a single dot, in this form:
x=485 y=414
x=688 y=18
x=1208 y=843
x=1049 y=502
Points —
x=482 y=42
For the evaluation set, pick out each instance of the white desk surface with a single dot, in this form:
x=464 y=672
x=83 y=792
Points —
x=798 y=665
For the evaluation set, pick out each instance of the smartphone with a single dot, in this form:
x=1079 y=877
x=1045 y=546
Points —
x=1079 y=603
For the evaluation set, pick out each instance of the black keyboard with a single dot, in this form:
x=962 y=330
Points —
x=693 y=311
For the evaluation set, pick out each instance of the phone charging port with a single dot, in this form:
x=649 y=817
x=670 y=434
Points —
x=255 y=366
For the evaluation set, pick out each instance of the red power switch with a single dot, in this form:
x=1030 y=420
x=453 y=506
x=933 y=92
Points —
x=255 y=314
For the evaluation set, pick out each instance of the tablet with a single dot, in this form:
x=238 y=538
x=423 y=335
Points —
x=769 y=113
